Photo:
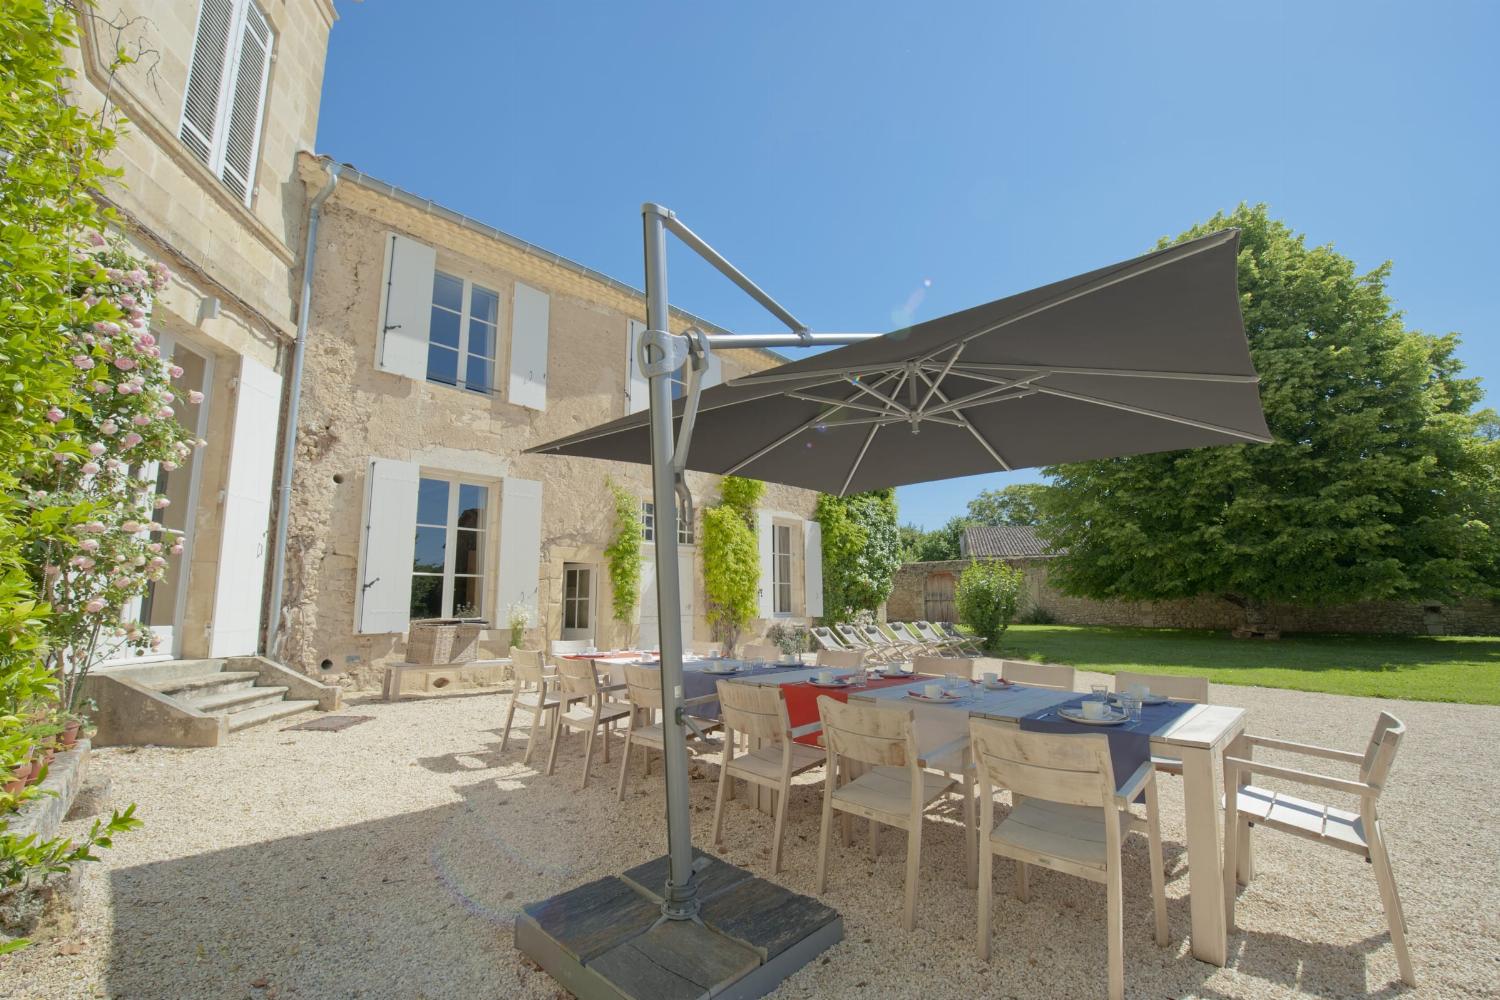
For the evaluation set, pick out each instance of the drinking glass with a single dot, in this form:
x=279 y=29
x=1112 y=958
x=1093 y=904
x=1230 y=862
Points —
x=1131 y=705
x=1101 y=692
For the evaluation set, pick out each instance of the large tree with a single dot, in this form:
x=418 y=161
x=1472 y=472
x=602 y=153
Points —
x=1018 y=503
x=1381 y=482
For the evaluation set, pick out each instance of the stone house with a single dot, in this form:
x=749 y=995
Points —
x=439 y=349
x=220 y=99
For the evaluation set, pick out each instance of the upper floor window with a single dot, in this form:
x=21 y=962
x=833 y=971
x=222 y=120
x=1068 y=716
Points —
x=448 y=564
x=648 y=525
x=226 y=90
x=781 y=568
x=461 y=340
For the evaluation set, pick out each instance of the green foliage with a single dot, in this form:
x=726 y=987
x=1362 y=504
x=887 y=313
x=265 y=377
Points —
x=624 y=554
x=1381 y=483
x=861 y=551
x=731 y=559
x=986 y=597
x=936 y=545
x=1018 y=503
x=787 y=638
x=743 y=495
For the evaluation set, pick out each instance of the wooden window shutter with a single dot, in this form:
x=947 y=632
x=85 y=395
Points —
x=405 y=307
x=246 y=103
x=389 y=543
x=763 y=531
x=812 y=567
x=200 y=106
x=520 y=546
x=530 y=315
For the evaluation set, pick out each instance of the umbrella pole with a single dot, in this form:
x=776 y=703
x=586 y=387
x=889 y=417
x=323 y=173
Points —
x=680 y=900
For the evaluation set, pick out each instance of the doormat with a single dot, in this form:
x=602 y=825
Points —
x=328 y=723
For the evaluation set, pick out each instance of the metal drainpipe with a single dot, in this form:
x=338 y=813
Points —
x=289 y=448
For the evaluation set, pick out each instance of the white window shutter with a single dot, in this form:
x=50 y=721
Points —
x=767 y=577
x=247 y=512
x=520 y=546
x=246 y=103
x=530 y=314
x=812 y=567
x=388 y=547
x=206 y=72
x=405 y=307
x=636 y=385
x=648 y=614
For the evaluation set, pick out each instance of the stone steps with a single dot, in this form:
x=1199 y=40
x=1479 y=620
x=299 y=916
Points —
x=235 y=700
x=183 y=688
x=268 y=713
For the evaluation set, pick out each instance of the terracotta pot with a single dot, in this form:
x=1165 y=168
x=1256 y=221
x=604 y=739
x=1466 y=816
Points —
x=22 y=774
x=48 y=756
x=69 y=736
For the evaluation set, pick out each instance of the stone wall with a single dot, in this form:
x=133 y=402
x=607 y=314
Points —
x=1470 y=617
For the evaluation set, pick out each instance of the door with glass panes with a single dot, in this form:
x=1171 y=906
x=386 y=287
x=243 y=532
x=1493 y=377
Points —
x=578 y=601
x=448 y=562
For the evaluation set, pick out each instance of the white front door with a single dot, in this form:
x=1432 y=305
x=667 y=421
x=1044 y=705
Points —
x=578 y=601
x=162 y=607
x=650 y=613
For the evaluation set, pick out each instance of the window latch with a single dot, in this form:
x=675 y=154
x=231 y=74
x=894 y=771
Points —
x=370 y=584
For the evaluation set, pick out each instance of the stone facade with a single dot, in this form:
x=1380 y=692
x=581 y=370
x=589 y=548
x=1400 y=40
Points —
x=352 y=411
x=1471 y=617
x=231 y=308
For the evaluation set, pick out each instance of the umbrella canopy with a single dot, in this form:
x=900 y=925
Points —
x=1146 y=355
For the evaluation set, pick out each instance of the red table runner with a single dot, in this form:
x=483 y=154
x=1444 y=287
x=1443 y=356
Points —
x=802 y=699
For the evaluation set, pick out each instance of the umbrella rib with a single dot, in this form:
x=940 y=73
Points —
x=976 y=367
x=858 y=460
x=820 y=418
x=1157 y=414
x=839 y=403
x=996 y=394
x=969 y=426
x=933 y=384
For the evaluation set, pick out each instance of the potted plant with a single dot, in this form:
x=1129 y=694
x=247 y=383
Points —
x=520 y=621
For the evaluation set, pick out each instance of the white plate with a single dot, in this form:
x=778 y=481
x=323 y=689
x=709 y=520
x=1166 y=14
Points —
x=1155 y=699
x=841 y=683
x=947 y=697
x=997 y=686
x=721 y=671
x=1076 y=715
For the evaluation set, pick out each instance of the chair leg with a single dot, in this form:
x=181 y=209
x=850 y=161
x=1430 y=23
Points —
x=1391 y=899
x=1158 y=873
x=624 y=766
x=913 y=870
x=604 y=732
x=724 y=782
x=874 y=838
x=986 y=892
x=1023 y=882
x=971 y=832
x=1233 y=827
x=510 y=715
x=557 y=728
x=1115 y=923
x=825 y=833
x=588 y=755
x=782 y=795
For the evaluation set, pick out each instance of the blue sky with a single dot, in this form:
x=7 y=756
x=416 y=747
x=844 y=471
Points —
x=876 y=163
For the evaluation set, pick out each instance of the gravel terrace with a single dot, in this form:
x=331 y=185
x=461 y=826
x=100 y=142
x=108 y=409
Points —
x=389 y=859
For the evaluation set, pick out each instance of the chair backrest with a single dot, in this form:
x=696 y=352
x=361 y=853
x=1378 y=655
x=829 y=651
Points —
x=1177 y=688
x=926 y=631
x=643 y=686
x=906 y=633
x=851 y=637
x=1049 y=675
x=1381 y=753
x=894 y=636
x=757 y=710
x=762 y=652
x=874 y=636
x=823 y=636
x=579 y=678
x=950 y=629
x=879 y=736
x=964 y=666
x=562 y=647
x=1073 y=769
x=705 y=648
x=841 y=657
x=527 y=665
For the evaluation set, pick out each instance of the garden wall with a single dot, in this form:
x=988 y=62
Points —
x=910 y=592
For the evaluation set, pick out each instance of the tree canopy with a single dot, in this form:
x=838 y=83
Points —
x=1018 y=503
x=862 y=549
x=1381 y=482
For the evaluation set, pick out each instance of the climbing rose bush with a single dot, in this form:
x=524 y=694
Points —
x=94 y=506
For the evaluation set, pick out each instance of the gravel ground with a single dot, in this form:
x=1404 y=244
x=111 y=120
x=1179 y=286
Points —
x=388 y=860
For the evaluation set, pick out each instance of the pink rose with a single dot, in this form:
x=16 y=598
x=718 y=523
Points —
x=114 y=274
x=95 y=239
x=106 y=328
x=167 y=397
x=154 y=547
x=96 y=449
x=131 y=440
x=89 y=468
x=82 y=362
x=83 y=562
x=54 y=415
x=89 y=545
x=145 y=339
x=136 y=276
x=94 y=527
x=177 y=549
x=195 y=397
x=131 y=526
x=124 y=364
x=169 y=466
x=166 y=413
x=127 y=299
x=175 y=371
x=162 y=503
x=140 y=420
x=95 y=606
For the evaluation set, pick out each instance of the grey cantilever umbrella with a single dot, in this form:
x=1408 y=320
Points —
x=1142 y=356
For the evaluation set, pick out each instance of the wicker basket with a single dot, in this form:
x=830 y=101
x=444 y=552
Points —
x=443 y=640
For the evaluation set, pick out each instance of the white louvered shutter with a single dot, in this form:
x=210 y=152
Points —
x=530 y=315
x=200 y=107
x=637 y=387
x=405 y=307
x=388 y=547
x=812 y=567
x=246 y=103
x=767 y=576
x=520 y=545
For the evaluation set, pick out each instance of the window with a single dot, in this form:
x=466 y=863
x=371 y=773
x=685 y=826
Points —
x=448 y=568
x=578 y=590
x=461 y=341
x=226 y=91
x=781 y=568
x=685 y=535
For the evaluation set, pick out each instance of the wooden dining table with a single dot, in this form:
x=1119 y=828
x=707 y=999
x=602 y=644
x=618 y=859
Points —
x=1199 y=738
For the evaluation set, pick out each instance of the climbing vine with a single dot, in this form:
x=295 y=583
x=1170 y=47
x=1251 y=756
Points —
x=624 y=553
x=861 y=551
x=731 y=558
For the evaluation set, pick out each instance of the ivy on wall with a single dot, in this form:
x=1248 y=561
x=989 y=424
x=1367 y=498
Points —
x=731 y=559
x=624 y=553
x=861 y=551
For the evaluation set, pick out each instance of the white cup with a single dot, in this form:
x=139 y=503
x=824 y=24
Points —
x=825 y=676
x=933 y=690
x=991 y=677
x=1095 y=709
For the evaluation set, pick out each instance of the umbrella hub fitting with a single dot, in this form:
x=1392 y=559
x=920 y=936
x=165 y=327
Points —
x=659 y=352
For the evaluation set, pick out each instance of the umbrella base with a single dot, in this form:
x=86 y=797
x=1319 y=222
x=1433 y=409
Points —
x=606 y=940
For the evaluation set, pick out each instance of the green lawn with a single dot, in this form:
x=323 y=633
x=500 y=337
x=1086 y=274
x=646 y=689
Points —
x=1423 y=668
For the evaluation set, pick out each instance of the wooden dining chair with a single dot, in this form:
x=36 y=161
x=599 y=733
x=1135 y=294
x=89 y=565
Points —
x=532 y=695
x=761 y=653
x=893 y=787
x=1069 y=816
x=1359 y=832
x=943 y=665
x=1047 y=675
x=585 y=708
x=703 y=648
x=643 y=695
x=1175 y=688
x=758 y=713
x=844 y=658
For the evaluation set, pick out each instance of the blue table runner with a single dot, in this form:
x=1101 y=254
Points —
x=1129 y=742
